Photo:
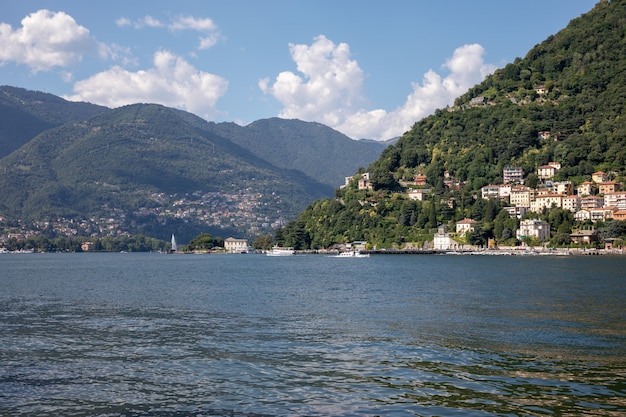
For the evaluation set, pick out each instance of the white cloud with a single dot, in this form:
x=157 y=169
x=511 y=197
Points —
x=123 y=21
x=330 y=90
x=205 y=26
x=46 y=40
x=208 y=41
x=171 y=81
x=67 y=76
x=189 y=22
x=146 y=21
x=150 y=21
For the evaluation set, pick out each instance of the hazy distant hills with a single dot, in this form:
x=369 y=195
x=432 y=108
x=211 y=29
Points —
x=313 y=148
x=150 y=169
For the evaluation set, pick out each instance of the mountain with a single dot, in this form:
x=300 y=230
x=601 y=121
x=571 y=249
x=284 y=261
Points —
x=24 y=114
x=384 y=143
x=321 y=152
x=149 y=169
x=315 y=149
x=156 y=170
x=563 y=102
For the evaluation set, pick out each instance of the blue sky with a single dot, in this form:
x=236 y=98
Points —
x=369 y=69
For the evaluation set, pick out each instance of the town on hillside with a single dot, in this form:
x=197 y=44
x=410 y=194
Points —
x=598 y=200
x=236 y=210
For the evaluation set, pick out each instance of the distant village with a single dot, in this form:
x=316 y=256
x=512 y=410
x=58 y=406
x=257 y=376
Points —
x=237 y=210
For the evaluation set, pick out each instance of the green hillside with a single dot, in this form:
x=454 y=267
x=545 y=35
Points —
x=148 y=169
x=24 y=114
x=563 y=102
x=323 y=153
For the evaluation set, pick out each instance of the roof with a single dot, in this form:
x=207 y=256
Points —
x=232 y=239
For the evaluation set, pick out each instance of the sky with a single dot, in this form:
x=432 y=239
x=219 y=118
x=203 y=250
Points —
x=367 y=68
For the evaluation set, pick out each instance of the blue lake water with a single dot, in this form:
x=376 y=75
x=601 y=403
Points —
x=311 y=335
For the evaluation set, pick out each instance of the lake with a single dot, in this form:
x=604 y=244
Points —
x=311 y=335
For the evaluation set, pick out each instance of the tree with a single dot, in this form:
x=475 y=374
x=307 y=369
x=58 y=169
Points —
x=532 y=180
x=479 y=237
x=504 y=226
x=432 y=215
x=490 y=210
x=201 y=242
x=263 y=242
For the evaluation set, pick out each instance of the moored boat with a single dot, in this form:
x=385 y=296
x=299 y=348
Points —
x=352 y=254
x=280 y=251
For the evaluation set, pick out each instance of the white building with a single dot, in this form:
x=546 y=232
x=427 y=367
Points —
x=516 y=211
x=582 y=215
x=546 y=172
x=465 y=226
x=513 y=174
x=533 y=228
x=546 y=201
x=490 y=191
x=585 y=189
x=572 y=203
x=418 y=193
x=505 y=191
x=363 y=179
x=563 y=187
x=233 y=245
x=522 y=196
x=615 y=198
x=591 y=202
x=443 y=241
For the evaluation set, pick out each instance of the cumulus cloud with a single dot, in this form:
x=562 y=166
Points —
x=171 y=81
x=331 y=85
x=47 y=40
x=330 y=90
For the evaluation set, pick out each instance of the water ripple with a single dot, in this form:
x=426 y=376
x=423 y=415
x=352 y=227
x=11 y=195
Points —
x=109 y=357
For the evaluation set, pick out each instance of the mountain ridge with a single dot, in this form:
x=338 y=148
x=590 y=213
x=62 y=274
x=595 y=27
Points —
x=119 y=162
x=26 y=113
x=311 y=146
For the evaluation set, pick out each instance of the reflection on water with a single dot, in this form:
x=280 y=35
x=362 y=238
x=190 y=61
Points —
x=307 y=337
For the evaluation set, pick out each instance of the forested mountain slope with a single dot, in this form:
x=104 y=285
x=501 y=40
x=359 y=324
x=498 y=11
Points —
x=323 y=153
x=563 y=102
x=572 y=86
x=152 y=169
x=133 y=164
x=24 y=114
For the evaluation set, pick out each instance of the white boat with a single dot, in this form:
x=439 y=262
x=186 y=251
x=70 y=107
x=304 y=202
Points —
x=174 y=247
x=352 y=254
x=278 y=251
